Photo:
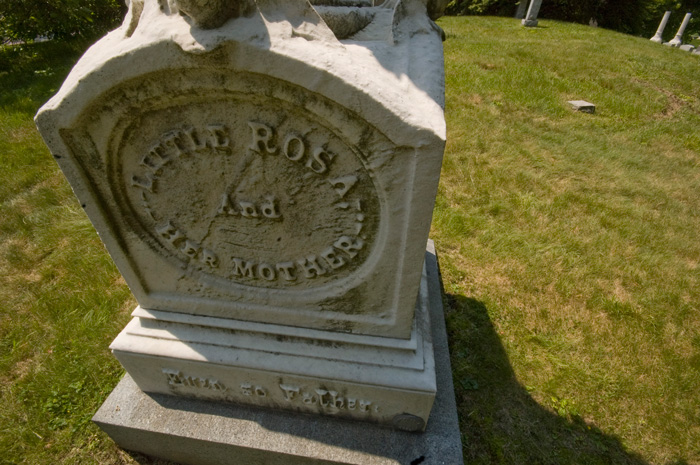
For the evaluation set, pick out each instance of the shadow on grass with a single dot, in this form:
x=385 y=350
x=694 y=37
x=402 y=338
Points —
x=499 y=420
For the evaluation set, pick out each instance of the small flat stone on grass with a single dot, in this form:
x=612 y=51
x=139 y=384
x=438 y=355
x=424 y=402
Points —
x=687 y=48
x=582 y=105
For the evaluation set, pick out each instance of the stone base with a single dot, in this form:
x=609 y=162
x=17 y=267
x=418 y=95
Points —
x=368 y=378
x=192 y=431
x=529 y=22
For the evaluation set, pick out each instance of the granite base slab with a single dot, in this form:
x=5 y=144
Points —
x=197 y=432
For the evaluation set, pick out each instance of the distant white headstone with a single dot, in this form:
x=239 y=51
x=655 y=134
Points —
x=659 y=32
x=531 y=18
x=678 y=40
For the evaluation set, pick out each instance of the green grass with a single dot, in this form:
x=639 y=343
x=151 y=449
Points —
x=61 y=298
x=569 y=246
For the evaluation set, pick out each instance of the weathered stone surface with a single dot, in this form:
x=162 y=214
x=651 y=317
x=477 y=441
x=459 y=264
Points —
x=199 y=432
x=263 y=174
x=262 y=171
x=687 y=47
x=582 y=105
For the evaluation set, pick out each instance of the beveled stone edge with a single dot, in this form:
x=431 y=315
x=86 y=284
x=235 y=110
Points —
x=419 y=371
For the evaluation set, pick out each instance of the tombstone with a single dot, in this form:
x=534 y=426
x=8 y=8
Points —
x=522 y=7
x=582 y=106
x=658 y=36
x=678 y=39
x=263 y=174
x=531 y=18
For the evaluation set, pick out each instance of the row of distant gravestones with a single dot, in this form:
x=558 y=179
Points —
x=530 y=20
x=676 y=41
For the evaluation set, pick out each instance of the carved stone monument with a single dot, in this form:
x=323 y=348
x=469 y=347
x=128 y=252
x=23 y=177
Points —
x=263 y=173
x=658 y=37
x=531 y=17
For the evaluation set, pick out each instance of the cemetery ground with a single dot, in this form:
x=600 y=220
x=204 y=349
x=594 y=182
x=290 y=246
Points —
x=569 y=245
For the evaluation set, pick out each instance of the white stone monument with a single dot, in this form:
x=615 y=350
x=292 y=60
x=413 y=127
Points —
x=678 y=39
x=263 y=173
x=658 y=38
x=531 y=17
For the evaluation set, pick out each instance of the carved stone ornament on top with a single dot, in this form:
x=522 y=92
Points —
x=345 y=18
x=209 y=14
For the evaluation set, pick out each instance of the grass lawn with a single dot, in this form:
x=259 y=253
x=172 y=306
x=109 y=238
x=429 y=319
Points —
x=569 y=246
x=61 y=298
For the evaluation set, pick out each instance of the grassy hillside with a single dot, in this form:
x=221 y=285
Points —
x=569 y=246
